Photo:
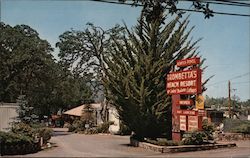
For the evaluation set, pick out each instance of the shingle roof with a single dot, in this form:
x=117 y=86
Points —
x=77 y=111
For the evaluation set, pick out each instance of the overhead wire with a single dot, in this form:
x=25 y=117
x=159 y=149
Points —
x=180 y=9
x=223 y=81
x=222 y=3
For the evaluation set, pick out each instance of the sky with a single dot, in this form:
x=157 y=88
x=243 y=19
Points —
x=225 y=43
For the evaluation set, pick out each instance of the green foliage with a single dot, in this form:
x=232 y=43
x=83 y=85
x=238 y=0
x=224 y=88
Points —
x=137 y=64
x=25 y=111
x=16 y=144
x=77 y=125
x=45 y=133
x=23 y=129
x=34 y=131
x=152 y=7
x=130 y=66
x=243 y=128
x=14 y=138
x=88 y=115
x=208 y=129
x=237 y=126
x=92 y=130
x=163 y=142
x=124 y=130
x=193 y=138
x=200 y=137
x=28 y=68
x=104 y=127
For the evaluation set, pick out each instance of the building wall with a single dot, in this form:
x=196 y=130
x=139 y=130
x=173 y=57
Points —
x=8 y=112
x=113 y=116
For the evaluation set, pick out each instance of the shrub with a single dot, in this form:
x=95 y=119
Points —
x=208 y=130
x=34 y=131
x=22 y=129
x=104 y=127
x=77 y=125
x=45 y=133
x=163 y=142
x=124 y=130
x=13 y=138
x=243 y=128
x=237 y=126
x=193 y=138
x=91 y=131
x=71 y=128
x=12 y=143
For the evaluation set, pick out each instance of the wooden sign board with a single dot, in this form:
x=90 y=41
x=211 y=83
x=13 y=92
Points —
x=188 y=62
x=183 y=122
x=186 y=102
x=192 y=123
x=186 y=112
x=184 y=82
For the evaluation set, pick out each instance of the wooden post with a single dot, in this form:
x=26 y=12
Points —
x=176 y=135
x=229 y=99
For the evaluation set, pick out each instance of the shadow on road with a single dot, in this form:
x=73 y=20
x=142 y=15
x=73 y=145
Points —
x=60 y=132
x=127 y=145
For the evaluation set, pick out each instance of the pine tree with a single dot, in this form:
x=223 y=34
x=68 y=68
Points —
x=136 y=69
x=25 y=112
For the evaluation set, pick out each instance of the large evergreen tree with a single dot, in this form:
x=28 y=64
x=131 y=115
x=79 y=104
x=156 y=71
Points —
x=136 y=68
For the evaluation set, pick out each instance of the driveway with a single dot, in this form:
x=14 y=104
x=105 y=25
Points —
x=79 y=145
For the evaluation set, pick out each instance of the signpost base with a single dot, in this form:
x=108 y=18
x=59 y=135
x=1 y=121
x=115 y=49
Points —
x=176 y=136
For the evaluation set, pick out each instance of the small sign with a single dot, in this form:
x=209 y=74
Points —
x=186 y=112
x=186 y=102
x=192 y=123
x=188 y=62
x=201 y=113
x=183 y=122
x=199 y=102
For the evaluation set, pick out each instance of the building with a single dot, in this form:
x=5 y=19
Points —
x=8 y=113
x=97 y=109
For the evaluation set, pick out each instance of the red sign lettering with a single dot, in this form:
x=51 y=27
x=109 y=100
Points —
x=186 y=102
x=188 y=62
x=192 y=123
x=186 y=112
x=184 y=82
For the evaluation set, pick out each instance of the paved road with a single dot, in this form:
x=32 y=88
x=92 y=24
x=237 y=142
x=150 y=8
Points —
x=79 y=145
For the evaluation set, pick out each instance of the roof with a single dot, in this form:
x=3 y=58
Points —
x=77 y=111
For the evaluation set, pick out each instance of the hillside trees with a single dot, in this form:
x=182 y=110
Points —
x=28 y=68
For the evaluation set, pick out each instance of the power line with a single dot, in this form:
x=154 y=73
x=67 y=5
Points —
x=241 y=82
x=180 y=9
x=239 y=76
x=233 y=2
x=223 y=3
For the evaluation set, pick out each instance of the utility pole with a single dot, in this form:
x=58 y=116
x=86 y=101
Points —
x=229 y=99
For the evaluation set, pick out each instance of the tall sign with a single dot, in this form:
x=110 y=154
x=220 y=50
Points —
x=185 y=83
